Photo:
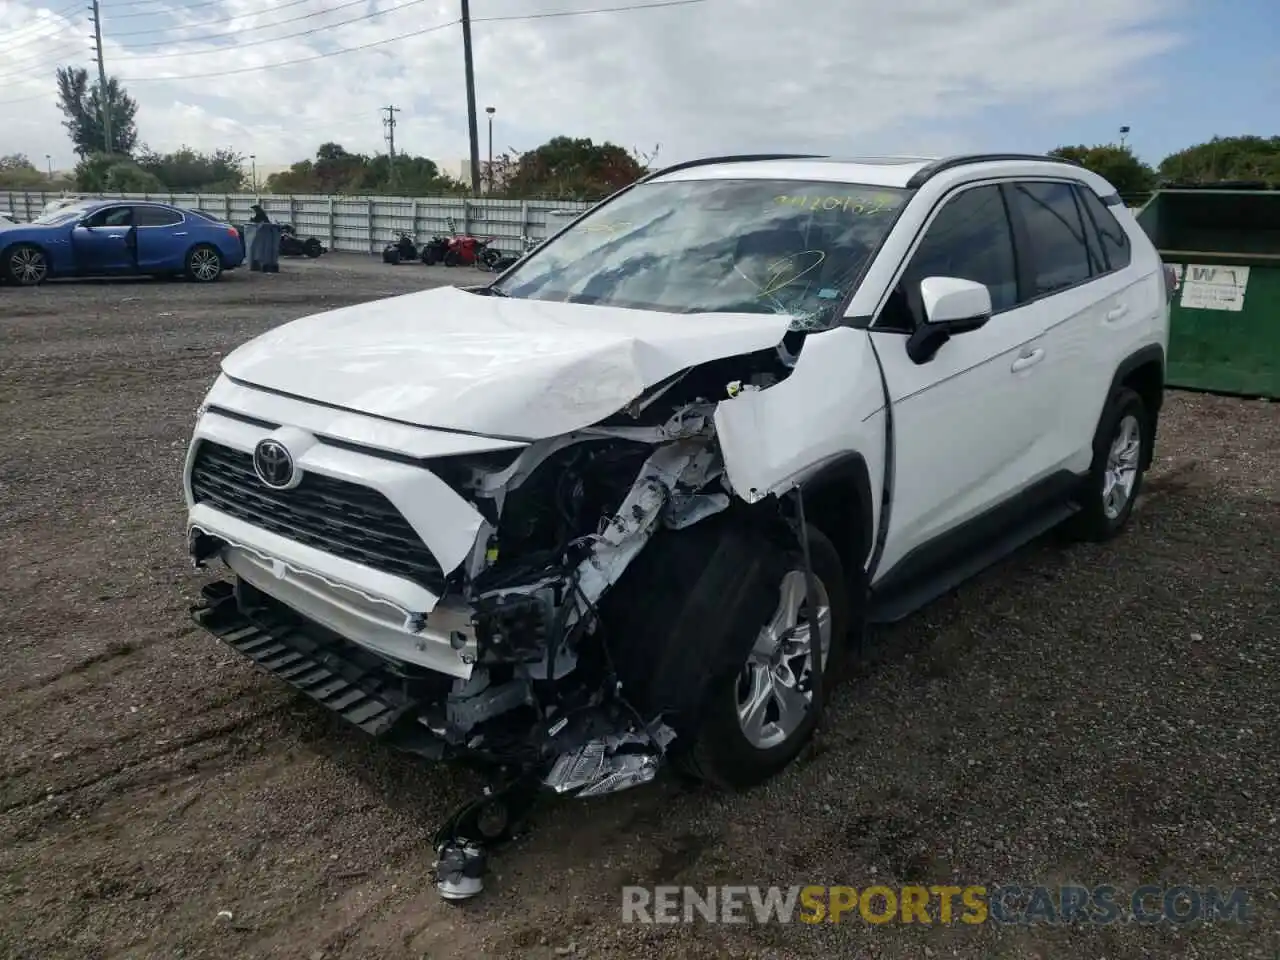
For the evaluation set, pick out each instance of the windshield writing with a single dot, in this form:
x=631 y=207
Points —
x=718 y=246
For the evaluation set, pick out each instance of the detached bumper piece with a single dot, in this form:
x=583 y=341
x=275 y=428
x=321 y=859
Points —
x=322 y=665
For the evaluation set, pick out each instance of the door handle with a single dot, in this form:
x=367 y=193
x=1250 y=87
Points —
x=180 y=233
x=1028 y=360
x=1115 y=313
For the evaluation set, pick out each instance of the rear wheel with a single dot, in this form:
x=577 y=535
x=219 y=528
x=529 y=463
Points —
x=312 y=248
x=25 y=264
x=1120 y=451
x=391 y=255
x=204 y=264
x=452 y=259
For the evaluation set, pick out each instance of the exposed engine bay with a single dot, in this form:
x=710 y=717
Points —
x=567 y=686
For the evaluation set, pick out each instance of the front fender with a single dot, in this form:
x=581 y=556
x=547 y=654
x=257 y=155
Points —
x=775 y=438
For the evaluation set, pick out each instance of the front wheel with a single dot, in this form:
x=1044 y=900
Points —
x=312 y=248
x=204 y=264
x=25 y=264
x=1120 y=451
x=758 y=720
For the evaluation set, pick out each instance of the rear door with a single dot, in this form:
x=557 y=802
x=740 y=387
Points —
x=162 y=238
x=1079 y=300
x=103 y=244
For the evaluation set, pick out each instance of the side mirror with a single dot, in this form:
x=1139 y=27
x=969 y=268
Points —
x=951 y=306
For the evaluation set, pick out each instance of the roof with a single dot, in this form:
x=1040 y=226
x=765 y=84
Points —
x=891 y=171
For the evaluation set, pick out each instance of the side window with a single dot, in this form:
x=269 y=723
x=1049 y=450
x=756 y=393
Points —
x=1115 y=242
x=112 y=217
x=1055 y=231
x=156 y=217
x=1097 y=262
x=970 y=238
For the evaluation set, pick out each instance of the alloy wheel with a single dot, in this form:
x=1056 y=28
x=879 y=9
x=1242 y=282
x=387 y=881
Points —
x=1122 y=466
x=205 y=265
x=28 y=266
x=775 y=690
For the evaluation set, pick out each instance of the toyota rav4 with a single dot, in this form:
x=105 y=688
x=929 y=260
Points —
x=631 y=501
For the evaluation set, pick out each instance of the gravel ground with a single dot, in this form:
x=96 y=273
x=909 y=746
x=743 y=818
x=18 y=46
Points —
x=1092 y=714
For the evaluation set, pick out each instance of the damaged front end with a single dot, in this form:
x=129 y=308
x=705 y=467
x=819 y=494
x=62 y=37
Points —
x=502 y=659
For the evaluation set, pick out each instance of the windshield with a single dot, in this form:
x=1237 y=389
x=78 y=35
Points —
x=64 y=215
x=717 y=246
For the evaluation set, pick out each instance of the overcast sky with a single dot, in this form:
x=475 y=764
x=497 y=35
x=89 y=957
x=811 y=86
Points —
x=718 y=76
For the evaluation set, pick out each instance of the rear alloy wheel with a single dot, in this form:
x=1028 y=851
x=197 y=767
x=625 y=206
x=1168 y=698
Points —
x=757 y=721
x=26 y=265
x=1115 y=478
x=204 y=264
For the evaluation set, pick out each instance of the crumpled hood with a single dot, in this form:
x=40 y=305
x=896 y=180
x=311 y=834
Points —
x=490 y=365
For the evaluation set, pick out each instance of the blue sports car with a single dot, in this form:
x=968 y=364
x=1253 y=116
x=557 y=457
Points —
x=100 y=238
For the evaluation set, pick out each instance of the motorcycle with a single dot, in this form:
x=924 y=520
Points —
x=507 y=261
x=467 y=251
x=433 y=250
x=403 y=250
x=292 y=245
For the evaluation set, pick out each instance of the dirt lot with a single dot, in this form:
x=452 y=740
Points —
x=1093 y=714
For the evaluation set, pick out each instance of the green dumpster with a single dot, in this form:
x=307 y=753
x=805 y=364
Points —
x=1224 y=244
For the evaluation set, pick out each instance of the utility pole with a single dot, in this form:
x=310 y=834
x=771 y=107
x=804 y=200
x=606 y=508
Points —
x=103 y=97
x=389 y=121
x=471 y=97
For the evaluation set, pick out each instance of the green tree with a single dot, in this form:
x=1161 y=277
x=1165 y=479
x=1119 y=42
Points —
x=189 y=171
x=1225 y=158
x=565 y=168
x=336 y=171
x=81 y=104
x=1118 y=165
x=19 y=173
x=104 y=173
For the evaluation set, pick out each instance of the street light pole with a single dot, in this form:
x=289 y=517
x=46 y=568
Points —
x=253 y=159
x=1124 y=133
x=48 y=164
x=490 y=111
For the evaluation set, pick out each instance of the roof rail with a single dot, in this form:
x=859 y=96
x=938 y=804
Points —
x=922 y=176
x=741 y=158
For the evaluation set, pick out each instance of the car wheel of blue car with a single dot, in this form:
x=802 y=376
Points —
x=204 y=264
x=25 y=264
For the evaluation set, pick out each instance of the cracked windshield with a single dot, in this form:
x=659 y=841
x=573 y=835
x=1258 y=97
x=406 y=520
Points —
x=718 y=246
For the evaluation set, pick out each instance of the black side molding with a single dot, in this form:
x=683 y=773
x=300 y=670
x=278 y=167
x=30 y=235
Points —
x=925 y=173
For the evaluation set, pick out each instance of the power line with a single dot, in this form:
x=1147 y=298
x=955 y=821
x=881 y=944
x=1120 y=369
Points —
x=27 y=66
x=287 y=36
x=167 y=11
x=290 y=63
x=117 y=34
x=62 y=14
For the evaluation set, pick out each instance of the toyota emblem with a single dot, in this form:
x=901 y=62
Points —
x=273 y=464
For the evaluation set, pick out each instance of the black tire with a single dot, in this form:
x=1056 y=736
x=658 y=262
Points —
x=429 y=256
x=1098 y=519
x=722 y=755
x=204 y=264
x=391 y=256
x=312 y=248
x=451 y=259
x=24 y=264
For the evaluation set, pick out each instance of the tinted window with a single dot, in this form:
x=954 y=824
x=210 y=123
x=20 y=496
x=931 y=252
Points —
x=1059 y=253
x=155 y=217
x=112 y=217
x=970 y=238
x=1115 y=242
x=1097 y=262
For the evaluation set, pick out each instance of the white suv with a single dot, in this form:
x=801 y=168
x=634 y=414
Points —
x=598 y=513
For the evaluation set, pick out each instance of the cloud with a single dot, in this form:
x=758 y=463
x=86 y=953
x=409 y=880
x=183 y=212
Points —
x=844 y=76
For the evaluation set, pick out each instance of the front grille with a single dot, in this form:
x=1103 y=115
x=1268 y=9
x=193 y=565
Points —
x=345 y=519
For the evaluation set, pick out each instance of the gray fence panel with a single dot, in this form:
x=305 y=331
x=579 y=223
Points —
x=359 y=224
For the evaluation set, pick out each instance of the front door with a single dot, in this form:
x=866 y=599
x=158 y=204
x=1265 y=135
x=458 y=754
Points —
x=967 y=424
x=104 y=243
